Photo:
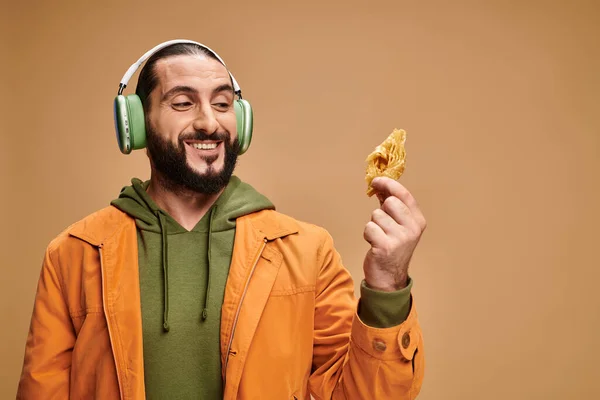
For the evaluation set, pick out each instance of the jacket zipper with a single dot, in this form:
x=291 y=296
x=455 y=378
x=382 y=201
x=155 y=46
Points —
x=237 y=313
x=110 y=335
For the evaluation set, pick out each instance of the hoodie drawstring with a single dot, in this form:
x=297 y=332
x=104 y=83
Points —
x=207 y=294
x=165 y=264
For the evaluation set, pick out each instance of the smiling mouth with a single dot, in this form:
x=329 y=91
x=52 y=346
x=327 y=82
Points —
x=204 y=145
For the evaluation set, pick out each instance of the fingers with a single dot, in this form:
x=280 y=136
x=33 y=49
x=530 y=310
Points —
x=373 y=233
x=400 y=214
x=384 y=221
x=387 y=188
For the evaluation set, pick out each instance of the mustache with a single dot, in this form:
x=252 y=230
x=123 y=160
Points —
x=201 y=135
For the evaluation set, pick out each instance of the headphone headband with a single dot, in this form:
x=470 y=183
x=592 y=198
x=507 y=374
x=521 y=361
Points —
x=134 y=67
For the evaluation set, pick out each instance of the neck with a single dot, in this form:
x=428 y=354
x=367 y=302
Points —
x=183 y=205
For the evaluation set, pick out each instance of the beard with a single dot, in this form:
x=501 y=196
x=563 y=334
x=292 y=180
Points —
x=170 y=161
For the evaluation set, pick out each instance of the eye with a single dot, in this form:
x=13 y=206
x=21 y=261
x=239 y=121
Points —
x=182 y=102
x=182 y=105
x=222 y=106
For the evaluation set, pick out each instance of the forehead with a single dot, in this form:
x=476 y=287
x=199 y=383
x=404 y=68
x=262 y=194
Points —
x=190 y=70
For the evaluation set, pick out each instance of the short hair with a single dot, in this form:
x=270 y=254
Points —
x=148 y=80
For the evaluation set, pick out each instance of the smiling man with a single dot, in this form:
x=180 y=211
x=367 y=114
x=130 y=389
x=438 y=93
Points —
x=191 y=285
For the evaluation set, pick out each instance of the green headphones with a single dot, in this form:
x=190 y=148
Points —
x=130 y=122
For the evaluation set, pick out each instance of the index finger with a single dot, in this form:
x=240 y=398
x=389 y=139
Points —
x=385 y=187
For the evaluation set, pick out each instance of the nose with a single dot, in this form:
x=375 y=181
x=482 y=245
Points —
x=206 y=121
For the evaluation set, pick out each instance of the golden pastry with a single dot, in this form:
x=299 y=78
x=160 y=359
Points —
x=388 y=159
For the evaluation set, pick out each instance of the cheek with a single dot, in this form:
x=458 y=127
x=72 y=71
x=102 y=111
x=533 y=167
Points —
x=169 y=126
x=229 y=122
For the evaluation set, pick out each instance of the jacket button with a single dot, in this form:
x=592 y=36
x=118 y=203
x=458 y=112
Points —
x=406 y=340
x=379 y=345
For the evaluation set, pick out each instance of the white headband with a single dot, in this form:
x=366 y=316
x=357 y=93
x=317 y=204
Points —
x=136 y=65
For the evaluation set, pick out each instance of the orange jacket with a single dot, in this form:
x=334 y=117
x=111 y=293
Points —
x=289 y=326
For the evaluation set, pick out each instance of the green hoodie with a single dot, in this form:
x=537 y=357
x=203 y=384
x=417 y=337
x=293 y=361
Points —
x=182 y=284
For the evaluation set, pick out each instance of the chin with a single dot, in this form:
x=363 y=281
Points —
x=204 y=168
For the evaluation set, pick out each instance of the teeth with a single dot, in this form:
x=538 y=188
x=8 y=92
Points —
x=204 y=146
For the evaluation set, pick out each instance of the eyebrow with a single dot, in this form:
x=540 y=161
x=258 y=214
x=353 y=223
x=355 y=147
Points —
x=226 y=87
x=190 y=90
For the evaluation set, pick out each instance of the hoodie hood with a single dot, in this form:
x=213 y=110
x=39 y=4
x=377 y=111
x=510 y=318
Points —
x=238 y=199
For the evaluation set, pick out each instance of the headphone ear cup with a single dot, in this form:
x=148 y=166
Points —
x=121 y=117
x=137 y=122
x=245 y=122
x=130 y=124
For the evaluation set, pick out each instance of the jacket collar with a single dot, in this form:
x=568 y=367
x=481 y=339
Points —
x=98 y=227
x=272 y=225
x=104 y=224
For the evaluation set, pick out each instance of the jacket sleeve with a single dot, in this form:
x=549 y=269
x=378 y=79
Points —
x=352 y=360
x=47 y=363
x=384 y=309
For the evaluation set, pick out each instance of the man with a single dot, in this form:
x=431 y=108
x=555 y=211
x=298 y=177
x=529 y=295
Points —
x=191 y=285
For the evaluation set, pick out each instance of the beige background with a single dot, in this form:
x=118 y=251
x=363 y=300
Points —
x=500 y=100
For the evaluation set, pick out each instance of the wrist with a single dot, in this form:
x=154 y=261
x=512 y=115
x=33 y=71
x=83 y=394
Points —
x=387 y=284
